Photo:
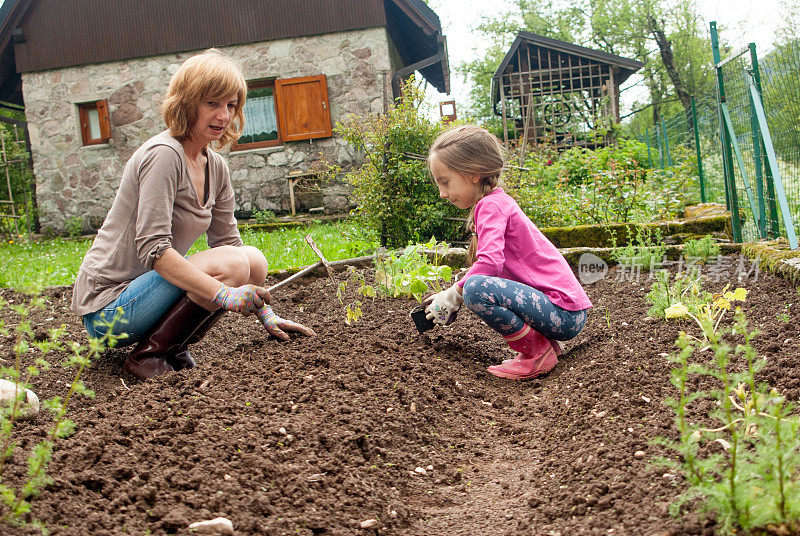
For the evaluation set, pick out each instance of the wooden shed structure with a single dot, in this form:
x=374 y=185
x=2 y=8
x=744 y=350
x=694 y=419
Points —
x=551 y=91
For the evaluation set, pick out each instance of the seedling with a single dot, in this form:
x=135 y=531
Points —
x=14 y=505
x=411 y=274
x=752 y=484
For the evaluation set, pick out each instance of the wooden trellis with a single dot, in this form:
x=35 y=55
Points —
x=14 y=161
x=549 y=91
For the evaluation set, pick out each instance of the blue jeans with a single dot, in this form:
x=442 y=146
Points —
x=145 y=300
x=506 y=306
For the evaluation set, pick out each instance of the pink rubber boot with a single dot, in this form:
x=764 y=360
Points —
x=536 y=356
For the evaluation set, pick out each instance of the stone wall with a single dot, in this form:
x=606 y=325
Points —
x=73 y=181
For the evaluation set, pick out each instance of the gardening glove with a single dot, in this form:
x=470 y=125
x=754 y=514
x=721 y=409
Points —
x=277 y=326
x=246 y=299
x=444 y=305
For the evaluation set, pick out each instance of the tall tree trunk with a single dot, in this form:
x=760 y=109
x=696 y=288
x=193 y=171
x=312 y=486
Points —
x=665 y=48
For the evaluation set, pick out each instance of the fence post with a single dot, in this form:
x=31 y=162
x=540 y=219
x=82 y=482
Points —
x=767 y=172
x=666 y=141
x=731 y=198
x=699 y=153
x=757 y=153
x=647 y=141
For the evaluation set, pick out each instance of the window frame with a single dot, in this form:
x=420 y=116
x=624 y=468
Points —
x=256 y=84
x=103 y=118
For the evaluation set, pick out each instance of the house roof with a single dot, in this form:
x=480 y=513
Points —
x=626 y=66
x=39 y=35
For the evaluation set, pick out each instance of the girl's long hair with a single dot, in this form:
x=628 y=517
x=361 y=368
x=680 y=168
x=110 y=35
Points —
x=471 y=150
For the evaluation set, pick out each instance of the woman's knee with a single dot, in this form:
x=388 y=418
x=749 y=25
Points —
x=232 y=266
x=258 y=265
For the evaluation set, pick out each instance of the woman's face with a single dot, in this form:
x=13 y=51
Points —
x=213 y=117
x=461 y=190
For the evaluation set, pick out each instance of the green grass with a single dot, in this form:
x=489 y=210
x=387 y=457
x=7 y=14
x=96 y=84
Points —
x=33 y=265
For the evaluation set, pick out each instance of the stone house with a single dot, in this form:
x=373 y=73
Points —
x=91 y=75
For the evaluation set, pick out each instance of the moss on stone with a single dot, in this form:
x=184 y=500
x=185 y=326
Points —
x=608 y=235
x=775 y=257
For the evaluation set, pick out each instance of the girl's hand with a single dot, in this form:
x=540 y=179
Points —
x=444 y=305
x=277 y=326
x=246 y=299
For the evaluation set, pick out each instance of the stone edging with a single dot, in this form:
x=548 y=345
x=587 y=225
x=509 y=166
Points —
x=776 y=257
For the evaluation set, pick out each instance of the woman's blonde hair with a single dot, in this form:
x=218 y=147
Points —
x=471 y=150
x=208 y=76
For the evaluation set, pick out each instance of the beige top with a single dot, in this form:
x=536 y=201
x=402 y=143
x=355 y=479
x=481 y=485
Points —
x=156 y=207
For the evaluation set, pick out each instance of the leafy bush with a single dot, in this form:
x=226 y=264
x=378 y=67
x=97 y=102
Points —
x=393 y=187
x=264 y=216
x=701 y=251
x=410 y=273
x=609 y=184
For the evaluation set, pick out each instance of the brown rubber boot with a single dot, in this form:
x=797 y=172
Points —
x=154 y=354
x=183 y=359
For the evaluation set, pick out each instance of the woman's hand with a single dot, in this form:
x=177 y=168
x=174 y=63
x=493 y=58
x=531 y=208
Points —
x=277 y=326
x=246 y=299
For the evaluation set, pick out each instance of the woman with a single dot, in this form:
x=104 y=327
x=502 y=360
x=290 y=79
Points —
x=173 y=189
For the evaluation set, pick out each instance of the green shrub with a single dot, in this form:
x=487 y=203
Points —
x=264 y=216
x=75 y=227
x=392 y=187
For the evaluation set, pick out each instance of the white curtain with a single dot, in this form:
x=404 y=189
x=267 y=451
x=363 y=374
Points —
x=259 y=115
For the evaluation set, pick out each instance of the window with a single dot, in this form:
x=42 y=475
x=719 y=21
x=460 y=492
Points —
x=260 y=119
x=95 y=124
x=282 y=110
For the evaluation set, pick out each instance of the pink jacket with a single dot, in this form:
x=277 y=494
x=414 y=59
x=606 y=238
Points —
x=511 y=247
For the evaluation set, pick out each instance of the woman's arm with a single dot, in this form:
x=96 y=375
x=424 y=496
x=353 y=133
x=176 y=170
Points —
x=199 y=286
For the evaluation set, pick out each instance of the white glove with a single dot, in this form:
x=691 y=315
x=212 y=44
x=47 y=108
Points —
x=443 y=305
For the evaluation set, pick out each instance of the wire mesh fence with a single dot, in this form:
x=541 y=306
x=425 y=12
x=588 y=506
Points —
x=698 y=135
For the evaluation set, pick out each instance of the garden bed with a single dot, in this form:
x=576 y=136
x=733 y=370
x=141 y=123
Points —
x=315 y=436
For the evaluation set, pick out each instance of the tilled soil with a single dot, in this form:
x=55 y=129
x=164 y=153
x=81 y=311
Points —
x=315 y=436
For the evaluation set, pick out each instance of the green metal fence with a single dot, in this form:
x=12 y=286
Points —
x=744 y=141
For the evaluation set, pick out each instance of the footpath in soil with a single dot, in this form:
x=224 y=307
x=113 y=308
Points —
x=315 y=435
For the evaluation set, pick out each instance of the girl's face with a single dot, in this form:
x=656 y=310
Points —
x=213 y=117
x=461 y=190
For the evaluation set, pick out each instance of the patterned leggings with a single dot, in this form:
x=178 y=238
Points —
x=506 y=306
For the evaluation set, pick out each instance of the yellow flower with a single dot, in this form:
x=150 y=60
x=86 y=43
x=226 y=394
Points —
x=676 y=310
x=738 y=295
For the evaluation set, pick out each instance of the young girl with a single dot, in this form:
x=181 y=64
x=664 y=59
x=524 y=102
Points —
x=519 y=284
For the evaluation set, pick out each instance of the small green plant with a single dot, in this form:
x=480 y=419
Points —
x=684 y=289
x=352 y=309
x=701 y=251
x=14 y=504
x=749 y=479
x=645 y=249
x=264 y=216
x=411 y=273
x=75 y=227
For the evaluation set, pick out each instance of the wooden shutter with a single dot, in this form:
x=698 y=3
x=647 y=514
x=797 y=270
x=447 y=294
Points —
x=303 y=108
x=105 y=120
